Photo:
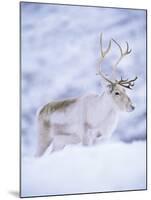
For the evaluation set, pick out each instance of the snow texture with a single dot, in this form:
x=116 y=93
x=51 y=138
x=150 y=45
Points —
x=59 y=55
x=107 y=167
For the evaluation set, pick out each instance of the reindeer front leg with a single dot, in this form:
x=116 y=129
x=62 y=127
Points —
x=91 y=135
x=88 y=136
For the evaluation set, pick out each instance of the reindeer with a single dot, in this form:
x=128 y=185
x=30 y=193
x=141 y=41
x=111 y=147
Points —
x=89 y=118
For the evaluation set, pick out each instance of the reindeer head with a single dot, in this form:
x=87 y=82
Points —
x=116 y=89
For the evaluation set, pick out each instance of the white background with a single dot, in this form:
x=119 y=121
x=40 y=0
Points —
x=9 y=101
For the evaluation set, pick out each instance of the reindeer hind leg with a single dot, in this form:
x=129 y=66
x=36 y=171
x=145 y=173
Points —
x=44 y=138
x=61 y=140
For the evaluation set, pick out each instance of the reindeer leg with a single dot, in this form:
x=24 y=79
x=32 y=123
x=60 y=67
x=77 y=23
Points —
x=88 y=137
x=61 y=140
x=44 y=138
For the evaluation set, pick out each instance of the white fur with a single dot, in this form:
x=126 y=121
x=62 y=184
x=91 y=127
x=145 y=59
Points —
x=88 y=120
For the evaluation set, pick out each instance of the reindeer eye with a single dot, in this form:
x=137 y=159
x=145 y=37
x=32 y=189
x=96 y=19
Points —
x=117 y=93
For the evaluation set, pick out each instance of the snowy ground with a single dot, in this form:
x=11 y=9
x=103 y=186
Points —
x=108 y=167
x=60 y=52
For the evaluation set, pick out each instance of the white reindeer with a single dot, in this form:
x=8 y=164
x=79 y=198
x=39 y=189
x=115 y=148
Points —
x=86 y=119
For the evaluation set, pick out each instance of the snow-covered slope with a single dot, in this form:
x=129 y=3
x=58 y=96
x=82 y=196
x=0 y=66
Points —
x=107 y=167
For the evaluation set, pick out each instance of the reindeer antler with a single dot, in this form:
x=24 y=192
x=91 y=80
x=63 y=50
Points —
x=103 y=54
x=123 y=54
x=127 y=83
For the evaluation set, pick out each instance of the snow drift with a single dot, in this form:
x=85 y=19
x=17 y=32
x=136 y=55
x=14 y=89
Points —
x=111 y=166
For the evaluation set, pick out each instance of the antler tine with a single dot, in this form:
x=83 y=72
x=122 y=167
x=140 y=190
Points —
x=103 y=54
x=118 y=45
x=126 y=83
x=122 y=80
x=127 y=51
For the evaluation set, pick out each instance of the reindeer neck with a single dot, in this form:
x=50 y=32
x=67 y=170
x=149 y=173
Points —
x=106 y=102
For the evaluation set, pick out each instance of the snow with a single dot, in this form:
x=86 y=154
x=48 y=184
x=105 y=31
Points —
x=112 y=166
x=59 y=55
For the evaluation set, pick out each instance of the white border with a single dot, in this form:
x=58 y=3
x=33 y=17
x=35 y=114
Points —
x=9 y=100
